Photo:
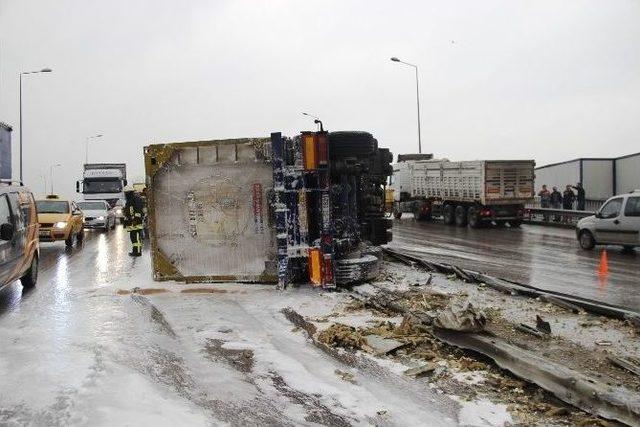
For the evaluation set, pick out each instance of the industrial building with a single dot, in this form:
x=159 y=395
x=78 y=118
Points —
x=5 y=151
x=601 y=177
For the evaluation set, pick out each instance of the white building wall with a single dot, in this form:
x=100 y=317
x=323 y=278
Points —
x=628 y=173
x=558 y=175
x=597 y=177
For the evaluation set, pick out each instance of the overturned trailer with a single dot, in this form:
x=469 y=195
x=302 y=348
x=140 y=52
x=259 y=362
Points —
x=278 y=209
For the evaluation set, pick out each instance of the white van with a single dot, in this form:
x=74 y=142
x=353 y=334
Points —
x=617 y=222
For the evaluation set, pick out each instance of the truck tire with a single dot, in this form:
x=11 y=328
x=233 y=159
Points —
x=417 y=213
x=351 y=144
x=473 y=218
x=449 y=214
x=461 y=216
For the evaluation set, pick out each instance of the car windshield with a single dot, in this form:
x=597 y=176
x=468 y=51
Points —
x=92 y=206
x=102 y=185
x=52 y=206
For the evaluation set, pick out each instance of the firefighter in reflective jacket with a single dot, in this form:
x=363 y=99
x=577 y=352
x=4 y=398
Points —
x=133 y=216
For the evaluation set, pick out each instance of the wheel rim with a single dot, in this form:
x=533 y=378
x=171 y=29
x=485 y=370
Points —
x=585 y=240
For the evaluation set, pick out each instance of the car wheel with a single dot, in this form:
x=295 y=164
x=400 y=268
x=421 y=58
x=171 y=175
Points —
x=628 y=248
x=516 y=223
x=449 y=215
x=461 y=216
x=587 y=242
x=31 y=276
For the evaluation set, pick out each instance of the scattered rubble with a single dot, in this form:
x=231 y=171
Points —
x=462 y=318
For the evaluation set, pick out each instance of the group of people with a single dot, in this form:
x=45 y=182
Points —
x=555 y=200
x=565 y=200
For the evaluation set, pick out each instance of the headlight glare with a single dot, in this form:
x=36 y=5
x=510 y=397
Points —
x=61 y=224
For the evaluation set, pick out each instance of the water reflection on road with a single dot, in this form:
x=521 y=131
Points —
x=546 y=257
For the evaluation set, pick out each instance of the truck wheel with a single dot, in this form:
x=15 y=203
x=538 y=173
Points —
x=516 y=223
x=586 y=240
x=473 y=218
x=449 y=215
x=417 y=214
x=31 y=276
x=461 y=216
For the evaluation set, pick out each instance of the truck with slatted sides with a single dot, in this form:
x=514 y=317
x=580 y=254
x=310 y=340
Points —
x=474 y=193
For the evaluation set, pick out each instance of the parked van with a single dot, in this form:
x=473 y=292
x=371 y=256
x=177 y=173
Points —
x=617 y=222
x=19 y=250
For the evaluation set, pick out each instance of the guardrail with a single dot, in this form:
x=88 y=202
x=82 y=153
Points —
x=590 y=204
x=554 y=217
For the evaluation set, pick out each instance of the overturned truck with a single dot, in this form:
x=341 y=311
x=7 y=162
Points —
x=287 y=210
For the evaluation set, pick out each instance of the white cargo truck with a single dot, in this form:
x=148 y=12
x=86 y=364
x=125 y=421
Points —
x=473 y=193
x=103 y=181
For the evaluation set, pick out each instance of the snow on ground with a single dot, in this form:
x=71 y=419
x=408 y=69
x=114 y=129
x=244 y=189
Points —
x=82 y=349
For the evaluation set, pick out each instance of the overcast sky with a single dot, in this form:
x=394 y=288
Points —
x=548 y=80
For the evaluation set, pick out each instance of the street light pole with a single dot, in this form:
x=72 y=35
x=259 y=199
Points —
x=86 y=148
x=51 y=175
x=44 y=70
x=415 y=67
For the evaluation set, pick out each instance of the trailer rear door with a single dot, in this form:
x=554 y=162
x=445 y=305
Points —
x=509 y=181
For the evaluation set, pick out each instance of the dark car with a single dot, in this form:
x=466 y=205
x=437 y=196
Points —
x=19 y=250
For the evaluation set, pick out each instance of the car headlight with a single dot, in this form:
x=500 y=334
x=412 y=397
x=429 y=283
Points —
x=61 y=224
x=100 y=218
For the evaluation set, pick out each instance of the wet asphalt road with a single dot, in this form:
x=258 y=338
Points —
x=545 y=257
x=80 y=349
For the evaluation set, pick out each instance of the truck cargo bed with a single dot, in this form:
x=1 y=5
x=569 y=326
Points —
x=208 y=210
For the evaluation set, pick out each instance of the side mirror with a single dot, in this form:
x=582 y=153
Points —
x=77 y=186
x=598 y=215
x=6 y=231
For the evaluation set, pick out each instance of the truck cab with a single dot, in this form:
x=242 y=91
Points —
x=103 y=182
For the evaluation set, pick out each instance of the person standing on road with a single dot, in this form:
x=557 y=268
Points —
x=582 y=196
x=568 y=197
x=556 y=202
x=133 y=214
x=545 y=199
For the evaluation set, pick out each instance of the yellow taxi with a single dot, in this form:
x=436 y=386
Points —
x=60 y=220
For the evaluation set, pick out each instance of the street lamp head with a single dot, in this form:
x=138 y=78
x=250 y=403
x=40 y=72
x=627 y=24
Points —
x=394 y=59
x=46 y=70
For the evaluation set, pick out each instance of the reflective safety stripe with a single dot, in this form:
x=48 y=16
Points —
x=134 y=227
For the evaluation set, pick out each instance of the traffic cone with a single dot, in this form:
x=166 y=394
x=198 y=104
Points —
x=604 y=263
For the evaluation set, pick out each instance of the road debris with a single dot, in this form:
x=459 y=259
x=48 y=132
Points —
x=603 y=343
x=627 y=364
x=542 y=325
x=422 y=370
x=379 y=346
x=462 y=318
x=528 y=329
